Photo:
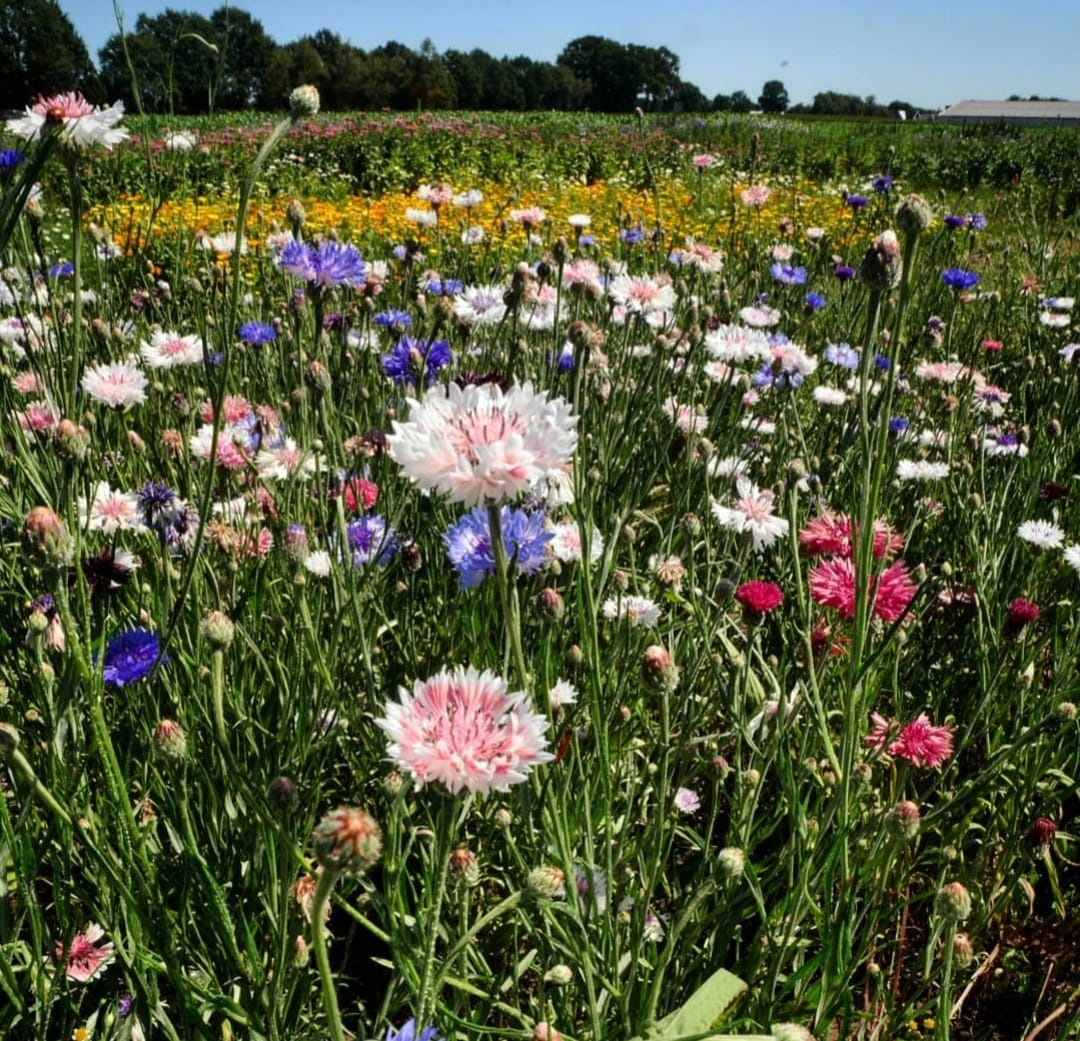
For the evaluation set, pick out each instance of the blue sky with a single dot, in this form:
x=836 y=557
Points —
x=922 y=51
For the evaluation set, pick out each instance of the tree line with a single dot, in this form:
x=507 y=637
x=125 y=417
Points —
x=184 y=63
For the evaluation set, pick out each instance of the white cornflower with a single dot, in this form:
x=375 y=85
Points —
x=1041 y=534
x=921 y=470
x=752 y=513
x=638 y=610
x=118 y=384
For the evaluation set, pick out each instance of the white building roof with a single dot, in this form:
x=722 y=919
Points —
x=1025 y=111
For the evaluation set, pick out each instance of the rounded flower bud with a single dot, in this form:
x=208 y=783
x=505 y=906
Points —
x=658 y=670
x=348 y=839
x=913 y=215
x=560 y=975
x=546 y=882
x=45 y=537
x=881 y=265
x=304 y=101
x=72 y=440
x=217 y=630
x=902 y=821
x=551 y=603
x=170 y=741
x=731 y=861
x=464 y=864
x=790 y=1032
x=962 y=951
x=1043 y=830
x=953 y=902
x=317 y=377
x=295 y=214
x=283 y=796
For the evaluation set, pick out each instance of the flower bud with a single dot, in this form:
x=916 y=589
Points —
x=217 y=630
x=546 y=882
x=1043 y=830
x=731 y=861
x=962 y=951
x=658 y=671
x=560 y=975
x=464 y=864
x=790 y=1032
x=953 y=902
x=283 y=796
x=913 y=216
x=170 y=741
x=45 y=537
x=881 y=265
x=902 y=821
x=551 y=603
x=348 y=839
x=304 y=101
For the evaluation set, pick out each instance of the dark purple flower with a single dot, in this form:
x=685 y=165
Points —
x=857 y=202
x=9 y=159
x=371 y=540
x=898 y=424
x=953 y=220
x=882 y=183
x=130 y=656
x=843 y=272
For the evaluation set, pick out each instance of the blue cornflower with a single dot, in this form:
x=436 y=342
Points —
x=958 y=278
x=156 y=501
x=976 y=221
x=468 y=544
x=10 y=158
x=814 y=301
x=844 y=272
x=898 y=424
x=327 y=264
x=394 y=319
x=130 y=657
x=843 y=355
x=255 y=334
x=778 y=379
x=778 y=340
x=407 y=1032
x=882 y=183
x=632 y=236
x=882 y=362
x=953 y=220
x=409 y=356
x=586 y=241
x=564 y=360
x=788 y=275
x=857 y=202
x=62 y=270
x=371 y=540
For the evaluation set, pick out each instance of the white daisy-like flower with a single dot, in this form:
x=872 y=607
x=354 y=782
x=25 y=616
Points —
x=563 y=693
x=480 y=305
x=921 y=470
x=285 y=461
x=737 y=345
x=421 y=218
x=751 y=513
x=1041 y=534
x=566 y=544
x=637 y=610
x=110 y=511
x=166 y=350
x=318 y=563
x=483 y=445
x=1055 y=319
x=642 y=294
x=180 y=140
x=118 y=384
x=472 y=235
x=84 y=125
x=1072 y=557
x=579 y=220
x=831 y=397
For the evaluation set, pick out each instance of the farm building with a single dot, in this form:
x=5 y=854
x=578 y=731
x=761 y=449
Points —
x=1030 y=113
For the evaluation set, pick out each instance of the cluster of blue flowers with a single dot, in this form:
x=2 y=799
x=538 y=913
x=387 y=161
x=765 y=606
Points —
x=468 y=544
x=409 y=356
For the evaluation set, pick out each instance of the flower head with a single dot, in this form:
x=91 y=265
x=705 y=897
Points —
x=407 y=1032
x=759 y=597
x=752 y=514
x=479 y=444
x=84 y=125
x=525 y=540
x=958 y=278
x=919 y=742
x=327 y=264
x=832 y=584
x=463 y=728
x=86 y=956
x=118 y=385
x=130 y=656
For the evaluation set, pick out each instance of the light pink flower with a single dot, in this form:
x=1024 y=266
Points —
x=483 y=445
x=110 y=511
x=85 y=957
x=464 y=730
x=171 y=350
x=118 y=385
x=641 y=294
x=704 y=161
x=752 y=513
x=84 y=124
x=755 y=195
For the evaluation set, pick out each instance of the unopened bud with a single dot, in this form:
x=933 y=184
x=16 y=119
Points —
x=658 y=670
x=348 y=839
x=170 y=741
x=546 y=882
x=953 y=902
x=902 y=821
x=731 y=861
x=217 y=630
x=283 y=796
x=304 y=101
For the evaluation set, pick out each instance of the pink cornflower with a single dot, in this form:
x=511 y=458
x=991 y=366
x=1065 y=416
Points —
x=85 y=125
x=464 y=730
x=85 y=957
x=832 y=584
x=687 y=801
x=118 y=385
x=234 y=409
x=171 y=350
x=1022 y=612
x=759 y=316
x=704 y=161
x=37 y=418
x=528 y=216
x=755 y=195
x=831 y=534
x=482 y=445
x=752 y=513
x=110 y=510
x=920 y=742
x=642 y=294
x=26 y=383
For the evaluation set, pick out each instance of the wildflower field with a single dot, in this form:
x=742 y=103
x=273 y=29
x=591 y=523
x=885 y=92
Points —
x=470 y=577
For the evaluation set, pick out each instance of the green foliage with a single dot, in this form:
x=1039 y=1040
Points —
x=41 y=53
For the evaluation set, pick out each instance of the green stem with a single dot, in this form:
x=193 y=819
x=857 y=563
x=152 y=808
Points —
x=73 y=361
x=508 y=904
x=218 y=696
x=327 y=878
x=507 y=593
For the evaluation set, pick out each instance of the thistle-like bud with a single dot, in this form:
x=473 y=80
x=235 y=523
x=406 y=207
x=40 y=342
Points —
x=348 y=839
x=170 y=741
x=45 y=537
x=881 y=265
x=962 y=951
x=913 y=215
x=902 y=821
x=304 y=101
x=551 y=603
x=546 y=882
x=559 y=975
x=731 y=861
x=317 y=377
x=953 y=902
x=217 y=630
x=72 y=440
x=658 y=669
x=464 y=864
x=283 y=796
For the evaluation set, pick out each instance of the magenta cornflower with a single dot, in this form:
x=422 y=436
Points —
x=920 y=742
x=832 y=584
x=463 y=729
x=759 y=597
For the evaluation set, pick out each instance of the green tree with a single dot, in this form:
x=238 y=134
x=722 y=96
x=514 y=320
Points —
x=740 y=102
x=41 y=53
x=245 y=54
x=773 y=97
